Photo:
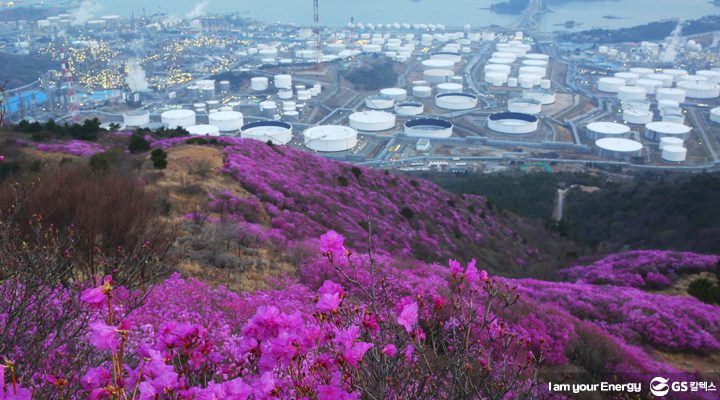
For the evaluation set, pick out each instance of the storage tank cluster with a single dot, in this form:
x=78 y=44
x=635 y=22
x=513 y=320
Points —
x=513 y=123
x=669 y=84
x=530 y=73
x=330 y=138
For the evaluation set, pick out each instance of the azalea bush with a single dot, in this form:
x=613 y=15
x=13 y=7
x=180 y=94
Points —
x=651 y=269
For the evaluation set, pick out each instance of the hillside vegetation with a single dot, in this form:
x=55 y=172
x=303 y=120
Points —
x=344 y=283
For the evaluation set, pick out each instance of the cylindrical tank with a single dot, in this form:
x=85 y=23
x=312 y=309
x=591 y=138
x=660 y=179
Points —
x=524 y=106
x=673 y=94
x=135 y=118
x=178 y=118
x=396 y=94
x=437 y=75
x=422 y=91
x=658 y=130
x=203 y=130
x=670 y=141
x=449 y=87
x=674 y=153
x=330 y=138
x=700 y=89
x=227 y=121
x=599 y=130
x=715 y=115
x=258 y=83
x=643 y=72
x=283 y=81
x=629 y=77
x=638 y=117
x=372 y=121
x=285 y=94
x=667 y=80
x=610 y=85
x=650 y=85
x=626 y=93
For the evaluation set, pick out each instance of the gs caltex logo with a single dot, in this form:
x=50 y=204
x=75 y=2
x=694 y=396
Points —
x=659 y=386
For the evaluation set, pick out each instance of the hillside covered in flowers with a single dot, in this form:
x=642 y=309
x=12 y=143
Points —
x=389 y=288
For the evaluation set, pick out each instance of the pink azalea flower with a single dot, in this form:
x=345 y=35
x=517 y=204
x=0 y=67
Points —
x=97 y=297
x=409 y=316
x=331 y=288
x=439 y=301
x=332 y=243
x=484 y=276
x=329 y=303
x=104 y=336
x=389 y=350
x=455 y=268
x=354 y=354
x=471 y=273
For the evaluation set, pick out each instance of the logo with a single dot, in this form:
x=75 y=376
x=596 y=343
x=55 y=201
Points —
x=659 y=386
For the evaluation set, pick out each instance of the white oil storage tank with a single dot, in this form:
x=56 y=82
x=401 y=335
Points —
x=660 y=129
x=674 y=94
x=671 y=141
x=456 y=101
x=715 y=115
x=330 y=138
x=283 y=81
x=227 y=121
x=277 y=132
x=700 y=89
x=524 y=105
x=428 y=128
x=178 y=118
x=259 y=83
x=599 y=130
x=409 y=108
x=396 y=94
x=513 y=123
x=610 y=85
x=674 y=153
x=637 y=117
x=203 y=130
x=136 y=118
x=618 y=148
x=372 y=121
x=422 y=91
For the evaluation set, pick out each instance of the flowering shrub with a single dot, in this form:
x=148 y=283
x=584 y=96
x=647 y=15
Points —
x=652 y=269
x=671 y=323
x=294 y=192
x=72 y=147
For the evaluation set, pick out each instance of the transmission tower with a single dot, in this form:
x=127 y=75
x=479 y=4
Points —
x=316 y=21
x=72 y=106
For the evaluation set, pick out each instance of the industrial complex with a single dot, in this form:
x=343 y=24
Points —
x=465 y=98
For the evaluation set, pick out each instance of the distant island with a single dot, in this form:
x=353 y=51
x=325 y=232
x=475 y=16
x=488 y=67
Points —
x=611 y=17
x=652 y=31
x=510 y=7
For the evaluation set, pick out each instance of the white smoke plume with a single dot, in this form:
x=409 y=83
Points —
x=136 y=78
x=673 y=42
x=198 y=10
x=85 y=12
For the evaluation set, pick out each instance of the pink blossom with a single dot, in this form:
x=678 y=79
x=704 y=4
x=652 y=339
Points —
x=355 y=353
x=438 y=301
x=332 y=243
x=389 y=350
x=409 y=316
x=332 y=288
x=104 y=336
x=455 y=268
x=329 y=303
x=97 y=297
x=471 y=273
